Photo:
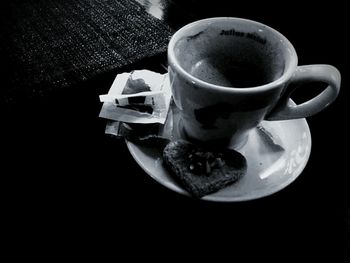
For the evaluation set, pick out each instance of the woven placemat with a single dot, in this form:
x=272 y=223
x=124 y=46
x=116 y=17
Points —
x=50 y=44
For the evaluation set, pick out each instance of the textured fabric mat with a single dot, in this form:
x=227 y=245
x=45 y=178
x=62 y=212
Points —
x=48 y=44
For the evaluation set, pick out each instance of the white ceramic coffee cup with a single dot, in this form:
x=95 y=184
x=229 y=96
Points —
x=213 y=105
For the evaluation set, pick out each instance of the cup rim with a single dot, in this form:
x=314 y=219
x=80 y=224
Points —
x=172 y=60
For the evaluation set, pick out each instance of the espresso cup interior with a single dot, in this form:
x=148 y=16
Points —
x=232 y=53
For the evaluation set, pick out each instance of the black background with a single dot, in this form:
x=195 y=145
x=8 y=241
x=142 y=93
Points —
x=64 y=179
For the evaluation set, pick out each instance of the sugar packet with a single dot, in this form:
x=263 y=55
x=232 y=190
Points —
x=148 y=133
x=141 y=96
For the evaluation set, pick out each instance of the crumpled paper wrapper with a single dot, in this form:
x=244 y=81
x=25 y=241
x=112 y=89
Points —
x=141 y=96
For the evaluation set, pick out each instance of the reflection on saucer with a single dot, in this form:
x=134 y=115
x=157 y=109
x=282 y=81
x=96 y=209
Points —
x=289 y=163
x=297 y=155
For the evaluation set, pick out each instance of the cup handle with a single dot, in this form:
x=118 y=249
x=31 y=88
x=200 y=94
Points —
x=286 y=110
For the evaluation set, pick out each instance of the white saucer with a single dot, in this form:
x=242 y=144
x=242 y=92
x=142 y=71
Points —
x=276 y=155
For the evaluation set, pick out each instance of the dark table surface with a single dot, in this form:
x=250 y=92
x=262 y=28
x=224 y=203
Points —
x=63 y=175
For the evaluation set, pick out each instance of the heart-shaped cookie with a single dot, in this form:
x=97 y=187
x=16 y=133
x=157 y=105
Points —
x=202 y=170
